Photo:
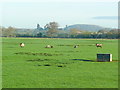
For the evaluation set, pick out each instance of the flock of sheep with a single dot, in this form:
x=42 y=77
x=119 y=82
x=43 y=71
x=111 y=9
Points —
x=49 y=46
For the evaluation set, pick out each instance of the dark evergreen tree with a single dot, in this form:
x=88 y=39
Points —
x=38 y=26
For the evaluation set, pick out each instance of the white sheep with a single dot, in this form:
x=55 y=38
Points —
x=22 y=44
x=98 y=45
x=49 y=46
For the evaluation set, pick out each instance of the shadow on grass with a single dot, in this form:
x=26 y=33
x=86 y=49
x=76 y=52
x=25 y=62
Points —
x=84 y=60
x=94 y=60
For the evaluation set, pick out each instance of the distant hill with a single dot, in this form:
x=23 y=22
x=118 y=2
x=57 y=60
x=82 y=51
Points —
x=81 y=27
x=86 y=27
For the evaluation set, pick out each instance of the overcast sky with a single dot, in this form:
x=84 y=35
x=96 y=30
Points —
x=27 y=13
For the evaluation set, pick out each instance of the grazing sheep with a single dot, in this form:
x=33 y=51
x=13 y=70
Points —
x=49 y=46
x=98 y=45
x=76 y=46
x=22 y=44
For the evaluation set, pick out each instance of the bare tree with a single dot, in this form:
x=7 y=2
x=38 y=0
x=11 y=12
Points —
x=9 y=32
x=52 y=28
x=74 y=32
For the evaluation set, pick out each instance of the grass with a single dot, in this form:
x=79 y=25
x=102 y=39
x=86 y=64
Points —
x=63 y=66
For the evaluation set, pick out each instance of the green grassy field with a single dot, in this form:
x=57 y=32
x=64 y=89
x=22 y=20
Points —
x=63 y=66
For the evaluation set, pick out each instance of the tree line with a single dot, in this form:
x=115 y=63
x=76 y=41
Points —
x=52 y=30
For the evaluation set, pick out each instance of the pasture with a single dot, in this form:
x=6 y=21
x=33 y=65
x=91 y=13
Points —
x=63 y=66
